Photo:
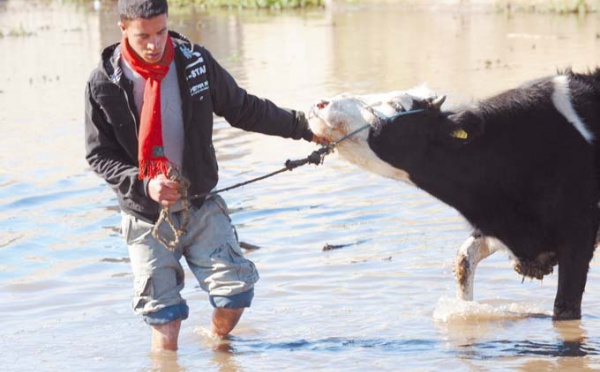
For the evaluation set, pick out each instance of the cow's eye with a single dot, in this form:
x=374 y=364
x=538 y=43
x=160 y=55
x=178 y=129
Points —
x=321 y=105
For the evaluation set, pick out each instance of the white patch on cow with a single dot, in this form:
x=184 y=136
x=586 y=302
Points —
x=383 y=103
x=359 y=153
x=496 y=245
x=336 y=117
x=470 y=253
x=562 y=101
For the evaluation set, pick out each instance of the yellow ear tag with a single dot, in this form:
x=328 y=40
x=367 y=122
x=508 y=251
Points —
x=459 y=133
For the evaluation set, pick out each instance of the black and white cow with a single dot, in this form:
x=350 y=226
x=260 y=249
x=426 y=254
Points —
x=520 y=166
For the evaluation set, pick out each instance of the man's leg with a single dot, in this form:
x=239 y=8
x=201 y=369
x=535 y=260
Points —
x=217 y=261
x=158 y=281
x=164 y=336
x=224 y=320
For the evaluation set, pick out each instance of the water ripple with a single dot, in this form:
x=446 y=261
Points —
x=332 y=344
x=507 y=348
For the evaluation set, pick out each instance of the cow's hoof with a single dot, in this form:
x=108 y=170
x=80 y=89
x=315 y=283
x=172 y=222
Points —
x=566 y=311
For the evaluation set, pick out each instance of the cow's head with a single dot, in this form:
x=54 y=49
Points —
x=402 y=125
x=338 y=116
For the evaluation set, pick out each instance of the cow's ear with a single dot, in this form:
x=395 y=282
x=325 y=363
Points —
x=461 y=128
x=436 y=103
x=432 y=105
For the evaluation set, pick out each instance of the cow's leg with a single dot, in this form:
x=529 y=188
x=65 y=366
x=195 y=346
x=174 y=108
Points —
x=572 y=276
x=472 y=251
x=573 y=265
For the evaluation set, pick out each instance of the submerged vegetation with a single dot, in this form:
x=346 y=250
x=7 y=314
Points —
x=16 y=31
x=554 y=6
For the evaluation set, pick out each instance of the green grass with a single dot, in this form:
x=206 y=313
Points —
x=243 y=4
x=533 y=6
x=250 y=4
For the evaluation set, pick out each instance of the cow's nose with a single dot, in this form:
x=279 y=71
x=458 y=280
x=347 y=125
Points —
x=321 y=105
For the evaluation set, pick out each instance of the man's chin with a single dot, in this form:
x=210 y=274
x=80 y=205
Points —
x=152 y=59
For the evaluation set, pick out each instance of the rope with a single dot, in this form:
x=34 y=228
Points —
x=165 y=216
x=317 y=157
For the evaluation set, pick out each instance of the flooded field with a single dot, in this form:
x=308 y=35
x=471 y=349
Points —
x=386 y=301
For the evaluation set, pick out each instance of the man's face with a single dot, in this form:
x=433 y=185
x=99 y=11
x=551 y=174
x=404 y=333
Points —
x=147 y=37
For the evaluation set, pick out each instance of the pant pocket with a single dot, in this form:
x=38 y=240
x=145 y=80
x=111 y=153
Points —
x=229 y=262
x=135 y=230
x=142 y=293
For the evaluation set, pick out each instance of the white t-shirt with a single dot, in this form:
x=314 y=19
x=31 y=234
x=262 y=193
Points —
x=172 y=117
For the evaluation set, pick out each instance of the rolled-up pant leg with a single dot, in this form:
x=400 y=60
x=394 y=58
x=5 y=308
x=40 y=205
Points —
x=158 y=274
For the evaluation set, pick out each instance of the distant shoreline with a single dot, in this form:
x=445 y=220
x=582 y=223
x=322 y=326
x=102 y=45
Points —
x=532 y=6
x=542 y=6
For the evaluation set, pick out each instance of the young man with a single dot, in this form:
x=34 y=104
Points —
x=148 y=129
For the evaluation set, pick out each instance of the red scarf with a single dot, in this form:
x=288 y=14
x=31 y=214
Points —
x=151 y=154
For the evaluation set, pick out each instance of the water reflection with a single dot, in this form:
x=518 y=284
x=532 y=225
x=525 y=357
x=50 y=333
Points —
x=504 y=348
x=574 y=340
x=224 y=359
x=166 y=361
x=571 y=340
x=478 y=334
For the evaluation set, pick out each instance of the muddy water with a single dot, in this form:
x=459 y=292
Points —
x=383 y=302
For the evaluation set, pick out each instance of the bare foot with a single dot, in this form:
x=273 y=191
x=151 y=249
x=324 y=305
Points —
x=224 y=320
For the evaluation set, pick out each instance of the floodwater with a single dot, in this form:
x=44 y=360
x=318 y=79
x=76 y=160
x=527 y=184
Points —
x=385 y=301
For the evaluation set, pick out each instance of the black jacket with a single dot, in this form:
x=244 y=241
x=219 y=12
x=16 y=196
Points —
x=112 y=123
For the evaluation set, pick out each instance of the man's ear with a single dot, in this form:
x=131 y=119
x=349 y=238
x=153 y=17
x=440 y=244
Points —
x=461 y=128
x=122 y=26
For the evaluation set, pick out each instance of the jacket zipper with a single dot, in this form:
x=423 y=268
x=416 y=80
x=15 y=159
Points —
x=131 y=112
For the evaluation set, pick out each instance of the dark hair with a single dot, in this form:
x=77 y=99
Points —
x=133 y=9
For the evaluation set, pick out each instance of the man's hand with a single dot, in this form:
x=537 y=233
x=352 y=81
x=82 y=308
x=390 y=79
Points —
x=320 y=140
x=163 y=190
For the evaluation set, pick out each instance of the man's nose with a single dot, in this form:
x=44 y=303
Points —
x=153 y=45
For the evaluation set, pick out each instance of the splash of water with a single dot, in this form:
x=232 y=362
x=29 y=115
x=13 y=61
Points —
x=456 y=310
